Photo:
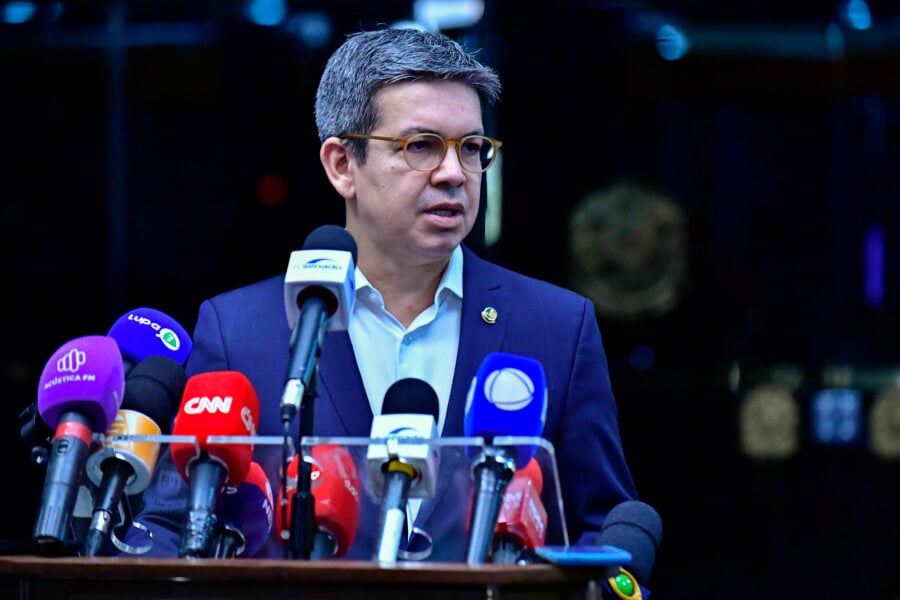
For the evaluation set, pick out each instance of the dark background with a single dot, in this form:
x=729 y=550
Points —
x=134 y=138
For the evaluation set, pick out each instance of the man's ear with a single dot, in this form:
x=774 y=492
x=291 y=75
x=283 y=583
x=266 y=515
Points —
x=336 y=161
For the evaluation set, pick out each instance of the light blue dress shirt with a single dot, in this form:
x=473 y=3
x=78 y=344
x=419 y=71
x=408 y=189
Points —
x=386 y=351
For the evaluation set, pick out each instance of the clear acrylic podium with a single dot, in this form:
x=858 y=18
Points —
x=440 y=538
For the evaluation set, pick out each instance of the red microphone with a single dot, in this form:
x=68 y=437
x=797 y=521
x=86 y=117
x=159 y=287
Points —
x=334 y=482
x=218 y=403
x=522 y=522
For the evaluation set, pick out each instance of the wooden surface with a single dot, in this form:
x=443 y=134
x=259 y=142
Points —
x=80 y=578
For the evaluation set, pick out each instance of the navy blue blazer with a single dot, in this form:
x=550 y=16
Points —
x=246 y=330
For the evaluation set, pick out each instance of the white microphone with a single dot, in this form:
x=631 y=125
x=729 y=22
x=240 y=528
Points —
x=319 y=289
x=399 y=470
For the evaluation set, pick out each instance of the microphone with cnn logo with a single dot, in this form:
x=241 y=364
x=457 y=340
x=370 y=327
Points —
x=215 y=404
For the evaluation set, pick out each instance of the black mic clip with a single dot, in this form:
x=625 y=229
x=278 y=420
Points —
x=303 y=515
x=499 y=462
x=36 y=434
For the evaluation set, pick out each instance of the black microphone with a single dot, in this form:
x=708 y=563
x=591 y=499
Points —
x=318 y=295
x=153 y=392
x=403 y=470
x=635 y=527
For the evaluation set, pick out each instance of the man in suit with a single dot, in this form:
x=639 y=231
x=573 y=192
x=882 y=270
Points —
x=399 y=114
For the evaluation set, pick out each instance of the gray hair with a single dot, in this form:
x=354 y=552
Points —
x=370 y=60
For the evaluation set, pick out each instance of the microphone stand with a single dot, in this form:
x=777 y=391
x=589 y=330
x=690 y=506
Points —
x=303 y=515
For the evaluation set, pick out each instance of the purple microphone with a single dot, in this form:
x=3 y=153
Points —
x=244 y=515
x=79 y=393
x=140 y=333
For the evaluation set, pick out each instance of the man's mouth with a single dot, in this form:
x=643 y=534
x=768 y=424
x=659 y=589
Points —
x=444 y=212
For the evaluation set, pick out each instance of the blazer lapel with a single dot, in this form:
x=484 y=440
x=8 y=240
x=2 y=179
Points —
x=478 y=337
x=342 y=406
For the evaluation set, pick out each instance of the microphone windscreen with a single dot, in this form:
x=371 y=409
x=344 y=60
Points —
x=636 y=527
x=409 y=410
x=248 y=507
x=217 y=403
x=141 y=456
x=334 y=483
x=335 y=487
x=86 y=375
x=154 y=387
x=410 y=396
x=331 y=237
x=507 y=397
x=523 y=514
x=325 y=269
x=534 y=473
x=145 y=332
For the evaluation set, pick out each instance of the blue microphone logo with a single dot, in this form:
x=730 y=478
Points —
x=404 y=432
x=323 y=262
x=509 y=389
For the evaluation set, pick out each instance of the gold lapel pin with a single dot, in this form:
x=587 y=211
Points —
x=489 y=314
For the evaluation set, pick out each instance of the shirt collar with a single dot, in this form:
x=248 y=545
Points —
x=451 y=281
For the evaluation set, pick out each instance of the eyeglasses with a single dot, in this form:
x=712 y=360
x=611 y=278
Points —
x=426 y=151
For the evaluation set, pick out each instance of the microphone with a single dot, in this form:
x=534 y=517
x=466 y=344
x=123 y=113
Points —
x=244 y=515
x=335 y=487
x=318 y=297
x=399 y=471
x=217 y=403
x=79 y=392
x=635 y=527
x=507 y=397
x=145 y=332
x=522 y=521
x=140 y=333
x=153 y=389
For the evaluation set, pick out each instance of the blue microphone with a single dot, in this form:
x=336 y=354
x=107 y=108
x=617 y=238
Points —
x=145 y=332
x=507 y=397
